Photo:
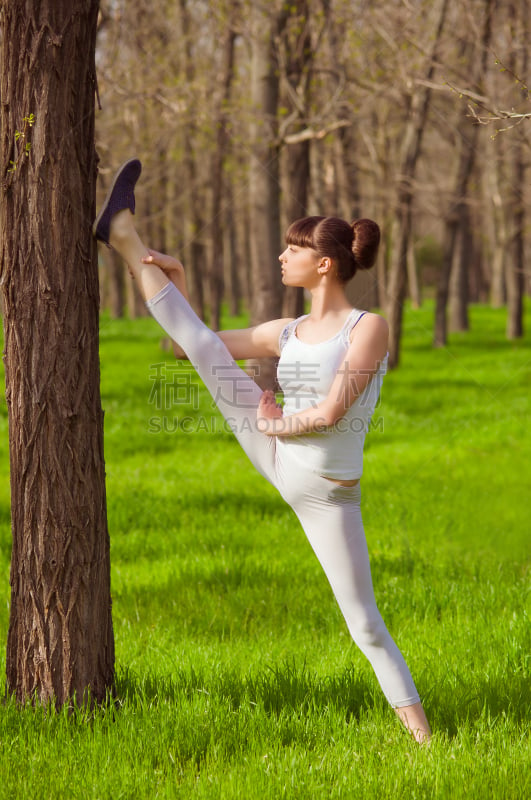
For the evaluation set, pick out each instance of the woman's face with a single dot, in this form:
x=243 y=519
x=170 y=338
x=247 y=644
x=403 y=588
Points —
x=299 y=266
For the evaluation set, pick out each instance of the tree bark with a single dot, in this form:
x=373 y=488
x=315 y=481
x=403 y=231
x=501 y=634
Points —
x=60 y=641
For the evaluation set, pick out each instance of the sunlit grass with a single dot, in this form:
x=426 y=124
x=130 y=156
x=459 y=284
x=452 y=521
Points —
x=236 y=676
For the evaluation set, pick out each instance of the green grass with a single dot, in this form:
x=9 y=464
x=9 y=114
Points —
x=236 y=677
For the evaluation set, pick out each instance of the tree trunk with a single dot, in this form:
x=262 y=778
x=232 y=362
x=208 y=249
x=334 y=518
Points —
x=362 y=290
x=136 y=306
x=516 y=262
x=116 y=271
x=396 y=286
x=298 y=179
x=348 y=184
x=232 y=253
x=156 y=202
x=216 y=282
x=498 y=229
x=412 y=276
x=450 y=239
x=458 y=290
x=264 y=202
x=396 y=289
x=297 y=47
x=244 y=267
x=60 y=641
x=195 y=251
x=468 y=139
x=112 y=282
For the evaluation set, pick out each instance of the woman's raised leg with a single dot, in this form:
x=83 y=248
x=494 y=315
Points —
x=126 y=241
x=233 y=391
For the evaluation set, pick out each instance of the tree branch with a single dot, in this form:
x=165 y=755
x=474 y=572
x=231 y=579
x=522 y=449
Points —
x=309 y=133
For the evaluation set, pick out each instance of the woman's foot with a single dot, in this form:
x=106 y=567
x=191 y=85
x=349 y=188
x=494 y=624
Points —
x=120 y=197
x=414 y=719
x=114 y=225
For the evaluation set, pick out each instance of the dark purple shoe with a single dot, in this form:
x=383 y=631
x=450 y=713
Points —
x=121 y=195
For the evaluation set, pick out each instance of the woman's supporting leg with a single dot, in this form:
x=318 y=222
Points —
x=415 y=720
x=332 y=521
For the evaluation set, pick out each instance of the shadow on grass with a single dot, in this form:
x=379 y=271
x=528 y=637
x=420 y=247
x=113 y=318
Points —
x=494 y=702
x=275 y=690
x=150 y=510
x=465 y=343
x=293 y=690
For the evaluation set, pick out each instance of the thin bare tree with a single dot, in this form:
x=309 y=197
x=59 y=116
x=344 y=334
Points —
x=468 y=137
x=264 y=176
x=221 y=118
x=516 y=264
x=412 y=144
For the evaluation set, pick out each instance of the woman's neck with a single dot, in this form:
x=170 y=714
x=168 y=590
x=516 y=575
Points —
x=327 y=301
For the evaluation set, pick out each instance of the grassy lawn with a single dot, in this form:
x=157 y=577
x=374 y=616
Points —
x=236 y=676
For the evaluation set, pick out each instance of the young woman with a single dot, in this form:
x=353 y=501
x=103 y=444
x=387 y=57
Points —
x=330 y=369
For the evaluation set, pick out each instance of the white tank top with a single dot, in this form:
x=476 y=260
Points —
x=305 y=374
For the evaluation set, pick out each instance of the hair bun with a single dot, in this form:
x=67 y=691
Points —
x=351 y=246
x=365 y=243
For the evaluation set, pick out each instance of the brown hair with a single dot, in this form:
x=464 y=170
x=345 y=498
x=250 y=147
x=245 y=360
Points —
x=350 y=247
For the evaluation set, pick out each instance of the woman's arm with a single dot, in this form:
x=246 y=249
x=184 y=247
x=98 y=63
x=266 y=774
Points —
x=260 y=341
x=172 y=267
x=367 y=350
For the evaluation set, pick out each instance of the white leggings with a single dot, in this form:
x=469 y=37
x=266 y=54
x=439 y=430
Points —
x=329 y=513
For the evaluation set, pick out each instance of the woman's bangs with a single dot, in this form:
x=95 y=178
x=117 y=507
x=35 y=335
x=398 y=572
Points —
x=301 y=232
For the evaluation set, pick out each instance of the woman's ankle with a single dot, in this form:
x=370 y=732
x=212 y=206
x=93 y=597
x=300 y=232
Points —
x=122 y=228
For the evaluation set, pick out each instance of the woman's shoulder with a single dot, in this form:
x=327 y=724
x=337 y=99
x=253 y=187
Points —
x=286 y=328
x=368 y=324
x=272 y=330
x=377 y=320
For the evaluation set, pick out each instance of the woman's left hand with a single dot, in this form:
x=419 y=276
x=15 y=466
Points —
x=268 y=409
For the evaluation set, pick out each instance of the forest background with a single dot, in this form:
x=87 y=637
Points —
x=249 y=115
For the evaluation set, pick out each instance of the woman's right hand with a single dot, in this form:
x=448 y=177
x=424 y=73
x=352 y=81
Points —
x=167 y=264
x=171 y=266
